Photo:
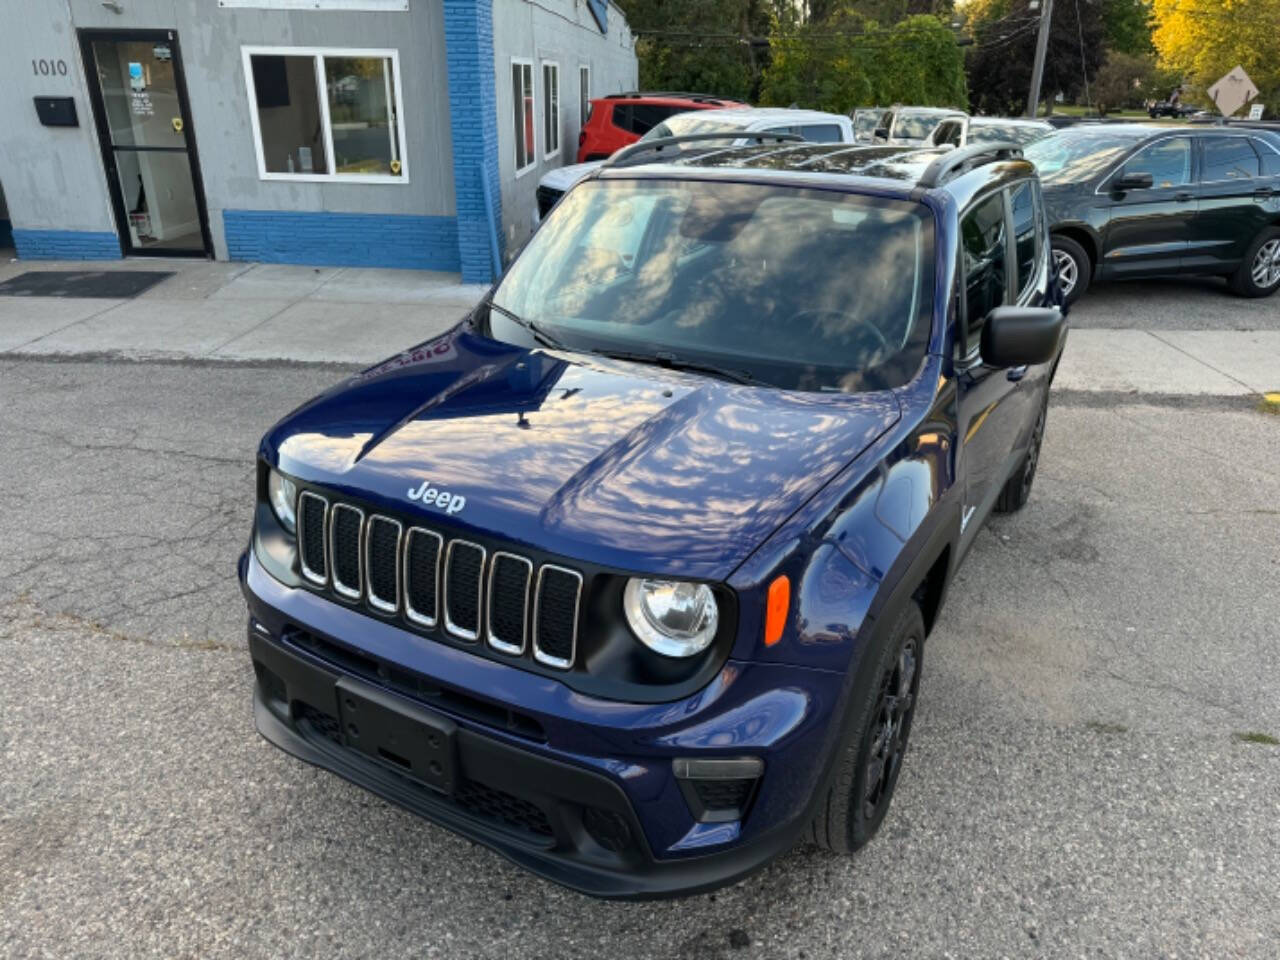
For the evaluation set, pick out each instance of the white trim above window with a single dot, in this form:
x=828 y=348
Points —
x=297 y=104
x=550 y=109
x=524 y=115
x=584 y=93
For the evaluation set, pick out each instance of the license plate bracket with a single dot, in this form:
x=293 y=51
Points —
x=414 y=741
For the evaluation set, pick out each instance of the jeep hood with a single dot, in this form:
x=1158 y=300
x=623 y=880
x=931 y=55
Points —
x=623 y=464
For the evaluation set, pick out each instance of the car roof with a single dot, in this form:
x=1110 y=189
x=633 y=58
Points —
x=666 y=97
x=931 y=111
x=895 y=170
x=747 y=117
x=1008 y=122
x=1137 y=131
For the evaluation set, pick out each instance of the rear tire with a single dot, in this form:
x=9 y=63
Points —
x=1075 y=269
x=1017 y=489
x=870 y=755
x=1259 y=272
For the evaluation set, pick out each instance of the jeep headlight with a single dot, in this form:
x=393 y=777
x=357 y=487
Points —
x=282 y=493
x=672 y=617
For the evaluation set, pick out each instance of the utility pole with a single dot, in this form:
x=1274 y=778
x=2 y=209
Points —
x=1037 y=71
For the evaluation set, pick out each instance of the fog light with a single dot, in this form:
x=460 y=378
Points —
x=718 y=789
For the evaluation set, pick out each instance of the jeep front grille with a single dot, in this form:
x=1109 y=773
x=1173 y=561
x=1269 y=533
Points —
x=436 y=584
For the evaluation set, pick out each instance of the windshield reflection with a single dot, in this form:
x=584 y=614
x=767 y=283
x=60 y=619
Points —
x=803 y=289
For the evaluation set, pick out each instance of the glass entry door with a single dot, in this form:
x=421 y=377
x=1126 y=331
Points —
x=140 y=105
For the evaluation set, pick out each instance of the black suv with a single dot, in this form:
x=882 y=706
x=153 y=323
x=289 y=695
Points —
x=1142 y=200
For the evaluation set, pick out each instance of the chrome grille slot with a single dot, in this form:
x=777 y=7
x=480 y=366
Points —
x=463 y=584
x=312 y=553
x=345 y=525
x=509 y=577
x=422 y=576
x=555 y=616
x=381 y=563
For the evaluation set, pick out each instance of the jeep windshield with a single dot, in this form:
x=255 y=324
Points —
x=797 y=288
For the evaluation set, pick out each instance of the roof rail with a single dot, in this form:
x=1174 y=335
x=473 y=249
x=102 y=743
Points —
x=964 y=159
x=672 y=94
x=658 y=144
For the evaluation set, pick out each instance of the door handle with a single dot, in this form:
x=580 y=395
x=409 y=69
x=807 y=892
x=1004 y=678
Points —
x=1017 y=373
x=1184 y=196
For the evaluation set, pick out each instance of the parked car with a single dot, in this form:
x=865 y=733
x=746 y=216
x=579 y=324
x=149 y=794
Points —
x=866 y=121
x=1142 y=200
x=814 y=125
x=962 y=131
x=911 y=125
x=620 y=119
x=629 y=576
x=1170 y=108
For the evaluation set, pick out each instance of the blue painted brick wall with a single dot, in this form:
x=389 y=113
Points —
x=473 y=109
x=342 y=239
x=66 y=245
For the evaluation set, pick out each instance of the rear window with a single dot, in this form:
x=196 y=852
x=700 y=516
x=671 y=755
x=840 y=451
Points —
x=640 y=118
x=816 y=132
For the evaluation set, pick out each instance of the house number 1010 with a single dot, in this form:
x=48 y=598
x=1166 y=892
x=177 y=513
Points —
x=49 y=68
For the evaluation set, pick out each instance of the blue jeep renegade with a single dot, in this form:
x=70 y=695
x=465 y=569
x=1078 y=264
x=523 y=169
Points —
x=628 y=576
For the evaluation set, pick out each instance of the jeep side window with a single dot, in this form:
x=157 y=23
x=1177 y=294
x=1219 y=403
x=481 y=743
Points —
x=1026 y=236
x=983 y=256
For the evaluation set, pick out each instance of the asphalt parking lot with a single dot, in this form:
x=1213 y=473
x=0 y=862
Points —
x=1086 y=776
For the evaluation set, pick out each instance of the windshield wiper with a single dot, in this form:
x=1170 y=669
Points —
x=672 y=362
x=539 y=334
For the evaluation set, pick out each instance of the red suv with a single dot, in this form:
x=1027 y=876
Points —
x=623 y=118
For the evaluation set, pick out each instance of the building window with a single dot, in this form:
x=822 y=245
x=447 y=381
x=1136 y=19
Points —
x=551 y=108
x=323 y=114
x=584 y=95
x=523 y=114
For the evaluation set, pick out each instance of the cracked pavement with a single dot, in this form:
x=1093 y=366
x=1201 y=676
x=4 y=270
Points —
x=1074 y=786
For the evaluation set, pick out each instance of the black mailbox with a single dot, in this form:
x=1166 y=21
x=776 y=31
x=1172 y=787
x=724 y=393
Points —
x=57 y=111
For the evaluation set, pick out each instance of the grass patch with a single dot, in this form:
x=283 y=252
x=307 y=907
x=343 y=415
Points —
x=1112 y=729
x=1253 y=736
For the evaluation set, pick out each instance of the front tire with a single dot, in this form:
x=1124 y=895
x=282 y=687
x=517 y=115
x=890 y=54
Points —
x=1075 y=269
x=1259 y=273
x=871 y=754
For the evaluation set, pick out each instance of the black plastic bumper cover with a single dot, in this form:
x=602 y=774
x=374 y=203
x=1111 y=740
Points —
x=569 y=795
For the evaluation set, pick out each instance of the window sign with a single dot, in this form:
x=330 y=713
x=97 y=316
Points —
x=326 y=114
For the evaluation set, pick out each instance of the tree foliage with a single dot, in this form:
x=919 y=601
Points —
x=1000 y=62
x=1204 y=39
x=1127 y=27
x=849 y=60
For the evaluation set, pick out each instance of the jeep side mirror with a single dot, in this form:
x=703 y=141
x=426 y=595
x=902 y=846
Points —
x=1133 y=181
x=1021 y=336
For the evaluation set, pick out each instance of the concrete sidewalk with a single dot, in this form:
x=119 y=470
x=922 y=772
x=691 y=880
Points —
x=239 y=311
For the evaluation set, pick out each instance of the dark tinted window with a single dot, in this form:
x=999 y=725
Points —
x=1022 y=199
x=645 y=116
x=1168 y=162
x=982 y=234
x=816 y=132
x=1228 y=158
x=1270 y=157
x=948 y=132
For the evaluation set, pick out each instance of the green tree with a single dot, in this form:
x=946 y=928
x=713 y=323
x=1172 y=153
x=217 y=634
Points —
x=1000 y=61
x=1127 y=26
x=1125 y=81
x=849 y=61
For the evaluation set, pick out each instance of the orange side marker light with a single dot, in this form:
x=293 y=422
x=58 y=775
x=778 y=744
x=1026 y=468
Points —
x=776 y=607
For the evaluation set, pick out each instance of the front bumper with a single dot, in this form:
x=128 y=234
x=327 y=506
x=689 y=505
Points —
x=580 y=792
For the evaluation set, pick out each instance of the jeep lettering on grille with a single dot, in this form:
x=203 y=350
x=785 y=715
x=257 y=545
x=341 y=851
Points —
x=441 y=499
